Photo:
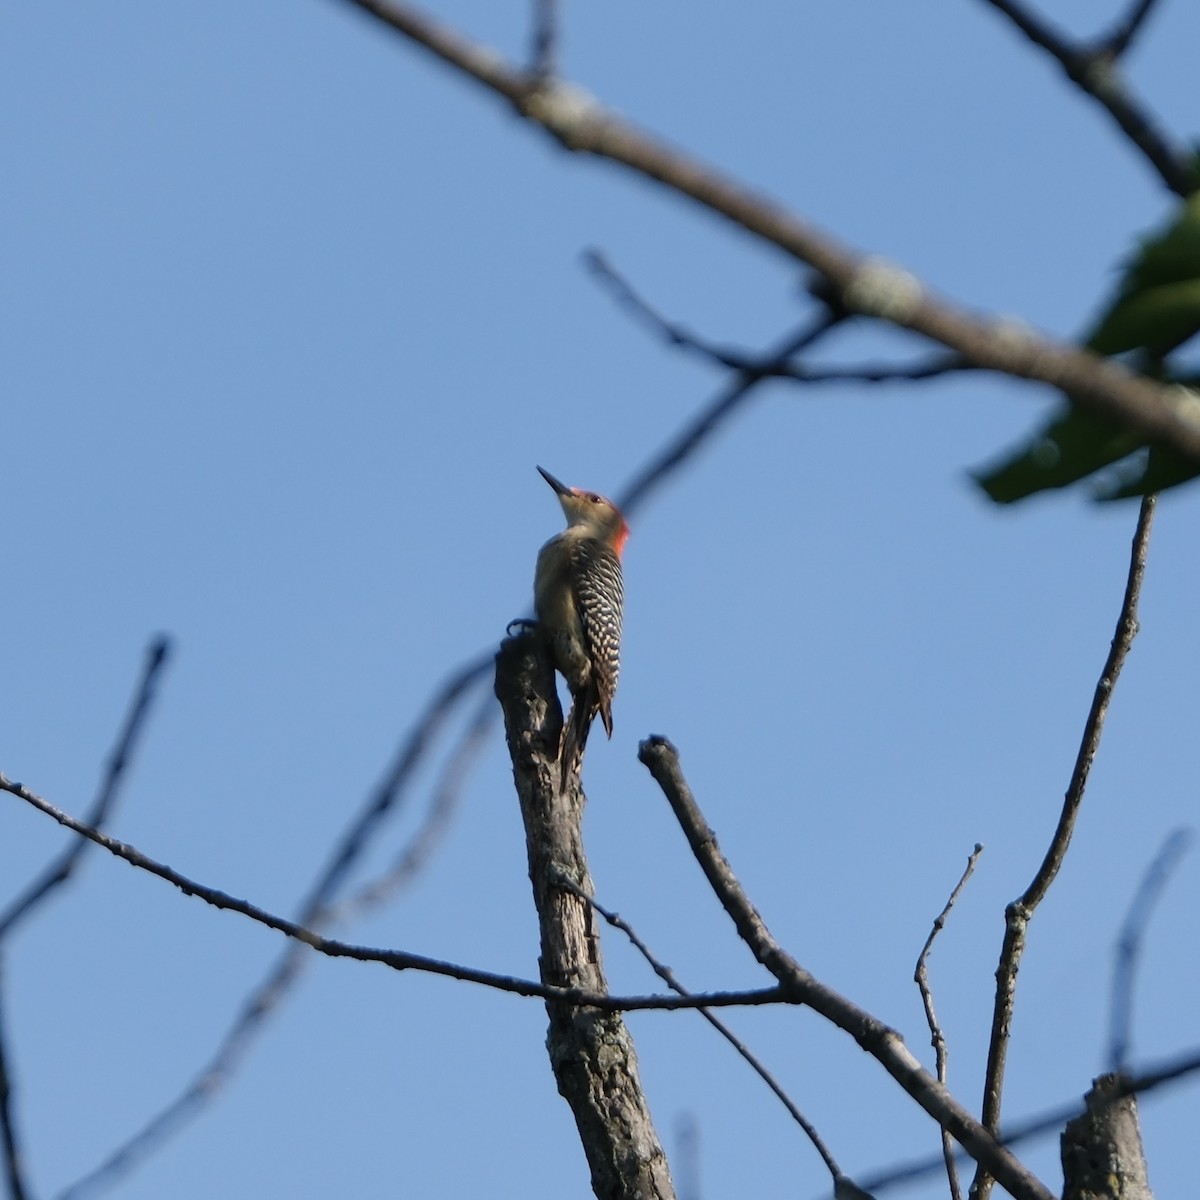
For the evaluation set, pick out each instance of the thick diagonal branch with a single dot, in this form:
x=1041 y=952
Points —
x=591 y=1052
x=884 y=1044
x=859 y=284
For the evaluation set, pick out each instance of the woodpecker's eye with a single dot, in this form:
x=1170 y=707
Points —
x=596 y=499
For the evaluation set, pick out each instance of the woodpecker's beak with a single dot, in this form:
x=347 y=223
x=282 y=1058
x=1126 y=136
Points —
x=560 y=487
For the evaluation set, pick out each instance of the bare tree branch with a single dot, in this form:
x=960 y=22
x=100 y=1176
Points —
x=938 y=1038
x=60 y=870
x=57 y=874
x=723 y=406
x=1096 y=73
x=591 y=1053
x=270 y=992
x=1102 y=1153
x=1129 y=945
x=442 y=811
x=398 y=960
x=1019 y=912
x=545 y=38
x=756 y=1065
x=885 y=1045
x=1124 y=32
x=861 y=285
x=1143 y=1082
x=14 y=1158
x=392 y=787
x=676 y=335
x=759 y=365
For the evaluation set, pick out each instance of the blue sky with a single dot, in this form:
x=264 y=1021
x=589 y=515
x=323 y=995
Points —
x=288 y=315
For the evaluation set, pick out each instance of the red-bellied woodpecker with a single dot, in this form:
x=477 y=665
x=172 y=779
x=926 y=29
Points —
x=578 y=594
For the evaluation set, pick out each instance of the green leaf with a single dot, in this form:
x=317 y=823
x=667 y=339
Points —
x=1157 y=307
x=1156 y=310
x=1074 y=445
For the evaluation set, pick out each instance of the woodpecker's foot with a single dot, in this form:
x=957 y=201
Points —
x=524 y=624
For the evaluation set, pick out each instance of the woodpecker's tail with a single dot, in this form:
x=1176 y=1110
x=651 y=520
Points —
x=575 y=732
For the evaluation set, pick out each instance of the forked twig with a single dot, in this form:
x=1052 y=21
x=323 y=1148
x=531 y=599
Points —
x=1049 y=1121
x=1096 y=73
x=442 y=810
x=883 y=1044
x=265 y=997
x=57 y=874
x=721 y=408
x=921 y=978
x=1019 y=912
x=1124 y=32
x=763 y=366
x=756 y=1065
x=59 y=871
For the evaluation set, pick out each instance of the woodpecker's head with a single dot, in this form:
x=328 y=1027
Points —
x=590 y=512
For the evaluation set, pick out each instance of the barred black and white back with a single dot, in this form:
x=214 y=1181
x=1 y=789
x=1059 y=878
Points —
x=600 y=598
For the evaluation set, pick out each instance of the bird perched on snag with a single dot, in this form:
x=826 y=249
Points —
x=579 y=594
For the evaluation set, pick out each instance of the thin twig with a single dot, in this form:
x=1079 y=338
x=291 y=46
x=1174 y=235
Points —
x=314 y=913
x=669 y=978
x=545 y=38
x=398 y=960
x=1050 y=1121
x=686 y=1158
x=885 y=1045
x=271 y=991
x=1096 y=74
x=1123 y=33
x=391 y=788
x=57 y=874
x=763 y=366
x=921 y=978
x=641 y=310
x=442 y=810
x=724 y=405
x=14 y=1159
x=1019 y=912
x=59 y=871
x=1131 y=940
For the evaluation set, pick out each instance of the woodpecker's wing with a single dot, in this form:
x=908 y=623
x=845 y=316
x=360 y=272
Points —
x=600 y=597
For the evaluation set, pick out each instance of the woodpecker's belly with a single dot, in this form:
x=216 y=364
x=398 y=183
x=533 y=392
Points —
x=558 y=614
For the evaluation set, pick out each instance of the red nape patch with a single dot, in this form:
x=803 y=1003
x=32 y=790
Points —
x=620 y=538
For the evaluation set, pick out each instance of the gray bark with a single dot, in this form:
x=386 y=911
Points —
x=1102 y=1153
x=591 y=1052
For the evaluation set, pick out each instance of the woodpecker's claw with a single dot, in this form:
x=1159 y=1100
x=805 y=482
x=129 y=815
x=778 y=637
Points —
x=525 y=624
